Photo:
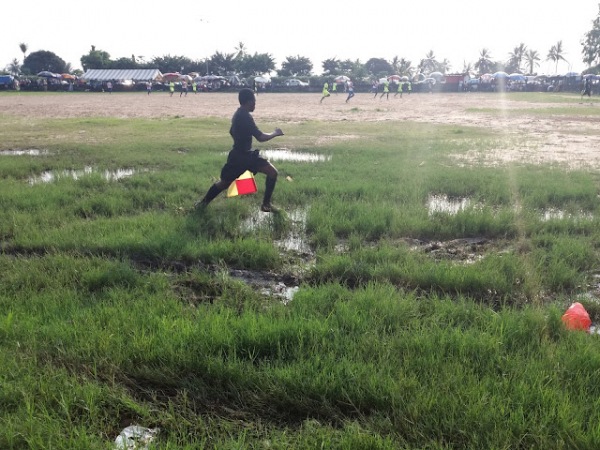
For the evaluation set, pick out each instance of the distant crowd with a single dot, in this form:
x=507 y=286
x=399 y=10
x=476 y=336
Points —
x=447 y=83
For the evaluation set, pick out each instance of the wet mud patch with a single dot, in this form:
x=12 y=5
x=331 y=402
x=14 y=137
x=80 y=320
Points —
x=571 y=150
x=195 y=290
x=290 y=231
x=283 y=287
x=462 y=250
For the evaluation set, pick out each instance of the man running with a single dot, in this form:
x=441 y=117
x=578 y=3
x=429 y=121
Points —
x=399 y=91
x=242 y=157
x=325 y=91
x=587 y=88
x=386 y=90
x=350 y=88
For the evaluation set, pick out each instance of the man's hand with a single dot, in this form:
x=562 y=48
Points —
x=266 y=137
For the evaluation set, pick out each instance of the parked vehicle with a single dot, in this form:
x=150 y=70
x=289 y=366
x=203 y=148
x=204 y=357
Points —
x=294 y=82
x=473 y=84
x=7 y=81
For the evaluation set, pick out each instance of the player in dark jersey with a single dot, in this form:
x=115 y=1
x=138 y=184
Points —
x=242 y=157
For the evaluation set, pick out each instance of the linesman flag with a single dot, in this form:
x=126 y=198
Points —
x=243 y=185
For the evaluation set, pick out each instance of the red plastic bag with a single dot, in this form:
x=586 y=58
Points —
x=577 y=318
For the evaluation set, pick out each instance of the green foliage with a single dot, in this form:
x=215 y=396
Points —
x=41 y=60
x=96 y=59
x=295 y=66
x=591 y=43
x=256 y=64
x=556 y=54
x=378 y=67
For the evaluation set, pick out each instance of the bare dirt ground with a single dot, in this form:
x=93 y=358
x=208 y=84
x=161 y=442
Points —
x=569 y=140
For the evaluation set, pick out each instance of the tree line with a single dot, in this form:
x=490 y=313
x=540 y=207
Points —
x=243 y=63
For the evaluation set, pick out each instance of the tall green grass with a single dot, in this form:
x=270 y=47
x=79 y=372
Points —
x=117 y=307
x=390 y=368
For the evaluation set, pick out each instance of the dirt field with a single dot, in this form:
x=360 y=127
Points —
x=569 y=140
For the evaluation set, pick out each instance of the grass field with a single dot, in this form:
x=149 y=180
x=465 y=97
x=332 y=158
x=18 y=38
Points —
x=409 y=296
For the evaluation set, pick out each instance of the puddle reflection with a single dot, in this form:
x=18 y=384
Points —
x=443 y=204
x=284 y=154
x=27 y=152
x=294 y=240
x=558 y=214
x=49 y=176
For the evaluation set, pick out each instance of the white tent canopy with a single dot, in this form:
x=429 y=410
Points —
x=121 y=74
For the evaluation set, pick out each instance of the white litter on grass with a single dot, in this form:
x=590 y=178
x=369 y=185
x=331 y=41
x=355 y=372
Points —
x=594 y=329
x=135 y=437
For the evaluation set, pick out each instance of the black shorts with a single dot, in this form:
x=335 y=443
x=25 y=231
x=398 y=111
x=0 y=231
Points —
x=237 y=163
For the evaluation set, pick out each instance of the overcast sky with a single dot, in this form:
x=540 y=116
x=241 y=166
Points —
x=456 y=31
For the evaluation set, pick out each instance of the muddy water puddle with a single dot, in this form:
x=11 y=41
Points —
x=285 y=154
x=559 y=214
x=447 y=205
x=24 y=152
x=464 y=250
x=452 y=206
x=267 y=284
x=50 y=176
x=294 y=240
x=291 y=240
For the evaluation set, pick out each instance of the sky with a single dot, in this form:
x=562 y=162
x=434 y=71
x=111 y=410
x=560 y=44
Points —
x=456 y=31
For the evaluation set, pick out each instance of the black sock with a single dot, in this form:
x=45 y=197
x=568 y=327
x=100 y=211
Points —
x=211 y=194
x=269 y=188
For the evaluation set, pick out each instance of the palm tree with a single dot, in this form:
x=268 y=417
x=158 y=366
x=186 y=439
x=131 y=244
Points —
x=467 y=67
x=516 y=57
x=14 y=67
x=405 y=67
x=443 y=66
x=556 y=54
x=429 y=64
x=23 y=48
x=532 y=57
x=331 y=66
x=395 y=63
x=401 y=66
x=241 y=50
x=484 y=63
x=223 y=63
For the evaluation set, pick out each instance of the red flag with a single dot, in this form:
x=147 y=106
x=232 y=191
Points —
x=243 y=185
